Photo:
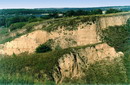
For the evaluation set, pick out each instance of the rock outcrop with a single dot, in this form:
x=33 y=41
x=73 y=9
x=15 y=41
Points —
x=61 y=37
x=72 y=65
x=26 y=43
x=118 y=20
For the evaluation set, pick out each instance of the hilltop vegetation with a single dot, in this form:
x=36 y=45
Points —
x=11 y=16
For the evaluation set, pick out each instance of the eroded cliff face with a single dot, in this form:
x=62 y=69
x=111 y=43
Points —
x=105 y=22
x=26 y=43
x=74 y=64
x=85 y=34
x=61 y=37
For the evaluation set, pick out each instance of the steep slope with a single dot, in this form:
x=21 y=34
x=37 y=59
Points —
x=91 y=64
x=63 y=38
x=117 y=20
x=77 y=31
x=73 y=64
x=127 y=58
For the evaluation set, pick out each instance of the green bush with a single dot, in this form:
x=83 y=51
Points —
x=17 y=26
x=113 y=11
x=116 y=36
x=43 y=48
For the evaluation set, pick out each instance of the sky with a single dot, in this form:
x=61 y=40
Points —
x=60 y=3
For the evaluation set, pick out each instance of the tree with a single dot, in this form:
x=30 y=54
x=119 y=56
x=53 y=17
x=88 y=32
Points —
x=70 y=13
x=16 y=19
x=80 y=12
x=54 y=15
x=113 y=11
x=2 y=21
x=97 y=11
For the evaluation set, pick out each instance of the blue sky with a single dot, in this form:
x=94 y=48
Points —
x=60 y=3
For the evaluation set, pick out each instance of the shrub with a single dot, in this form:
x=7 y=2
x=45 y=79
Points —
x=116 y=36
x=17 y=26
x=43 y=48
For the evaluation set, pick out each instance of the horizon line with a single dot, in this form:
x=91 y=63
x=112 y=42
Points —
x=61 y=7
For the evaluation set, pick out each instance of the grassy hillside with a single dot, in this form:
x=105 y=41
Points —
x=37 y=68
x=119 y=38
x=127 y=58
x=31 y=68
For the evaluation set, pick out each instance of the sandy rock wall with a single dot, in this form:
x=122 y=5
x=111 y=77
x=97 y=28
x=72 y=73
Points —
x=84 y=35
x=71 y=65
x=105 y=22
x=61 y=37
x=26 y=43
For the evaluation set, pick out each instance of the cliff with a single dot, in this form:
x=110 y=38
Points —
x=83 y=32
x=116 y=20
x=73 y=64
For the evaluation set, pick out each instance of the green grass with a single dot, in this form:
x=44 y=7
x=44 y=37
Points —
x=3 y=31
x=18 y=79
x=127 y=65
x=116 y=36
x=34 y=65
x=107 y=72
x=30 y=26
x=127 y=58
x=119 y=38
x=8 y=39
